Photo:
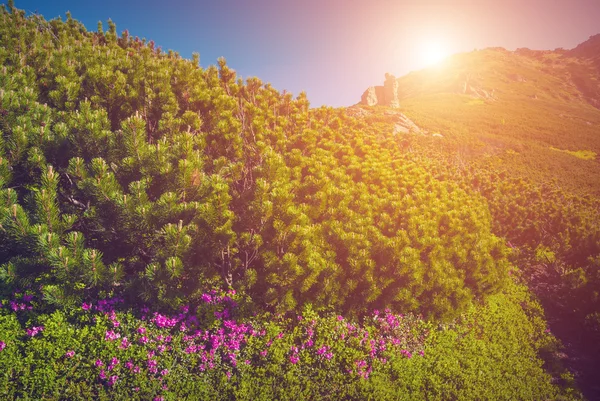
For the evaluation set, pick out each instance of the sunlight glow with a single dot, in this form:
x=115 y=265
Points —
x=432 y=52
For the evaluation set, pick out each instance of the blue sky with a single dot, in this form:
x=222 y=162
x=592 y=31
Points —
x=334 y=49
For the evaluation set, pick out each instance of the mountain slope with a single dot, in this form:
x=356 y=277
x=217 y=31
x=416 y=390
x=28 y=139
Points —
x=522 y=129
x=534 y=110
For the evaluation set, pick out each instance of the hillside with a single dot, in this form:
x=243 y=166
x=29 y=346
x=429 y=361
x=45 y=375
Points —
x=522 y=129
x=169 y=231
x=537 y=111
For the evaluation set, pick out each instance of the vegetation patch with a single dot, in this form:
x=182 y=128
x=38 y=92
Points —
x=580 y=154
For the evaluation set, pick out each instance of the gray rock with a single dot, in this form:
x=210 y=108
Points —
x=369 y=97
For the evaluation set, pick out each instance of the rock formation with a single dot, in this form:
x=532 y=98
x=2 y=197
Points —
x=468 y=85
x=372 y=96
x=390 y=91
x=386 y=95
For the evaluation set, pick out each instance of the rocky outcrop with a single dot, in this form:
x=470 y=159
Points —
x=468 y=85
x=386 y=95
x=399 y=122
x=390 y=91
x=372 y=96
x=404 y=125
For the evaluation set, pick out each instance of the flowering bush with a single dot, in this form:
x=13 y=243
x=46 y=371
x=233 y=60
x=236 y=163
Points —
x=102 y=350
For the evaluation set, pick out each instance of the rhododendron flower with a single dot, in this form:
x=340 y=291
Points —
x=144 y=340
x=141 y=330
x=102 y=374
x=99 y=363
x=164 y=372
x=406 y=353
x=2 y=345
x=34 y=331
x=124 y=343
x=294 y=359
x=86 y=306
x=113 y=380
x=70 y=354
x=111 y=335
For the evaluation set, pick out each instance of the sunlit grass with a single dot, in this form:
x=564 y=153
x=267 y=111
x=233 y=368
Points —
x=580 y=154
x=475 y=102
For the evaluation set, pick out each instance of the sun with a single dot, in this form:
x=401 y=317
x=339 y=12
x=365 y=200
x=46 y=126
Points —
x=432 y=52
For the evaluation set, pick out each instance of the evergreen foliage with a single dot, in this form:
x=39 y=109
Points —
x=127 y=168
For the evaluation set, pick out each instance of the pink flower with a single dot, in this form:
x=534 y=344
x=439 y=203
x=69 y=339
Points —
x=111 y=335
x=141 y=330
x=144 y=340
x=102 y=374
x=85 y=306
x=124 y=343
x=70 y=354
x=164 y=372
x=129 y=364
x=113 y=380
x=294 y=359
x=406 y=353
x=34 y=331
x=2 y=345
x=99 y=363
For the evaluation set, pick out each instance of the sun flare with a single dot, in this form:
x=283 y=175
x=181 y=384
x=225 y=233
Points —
x=433 y=52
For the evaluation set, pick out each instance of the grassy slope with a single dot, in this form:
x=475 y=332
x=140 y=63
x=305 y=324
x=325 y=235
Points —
x=537 y=107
